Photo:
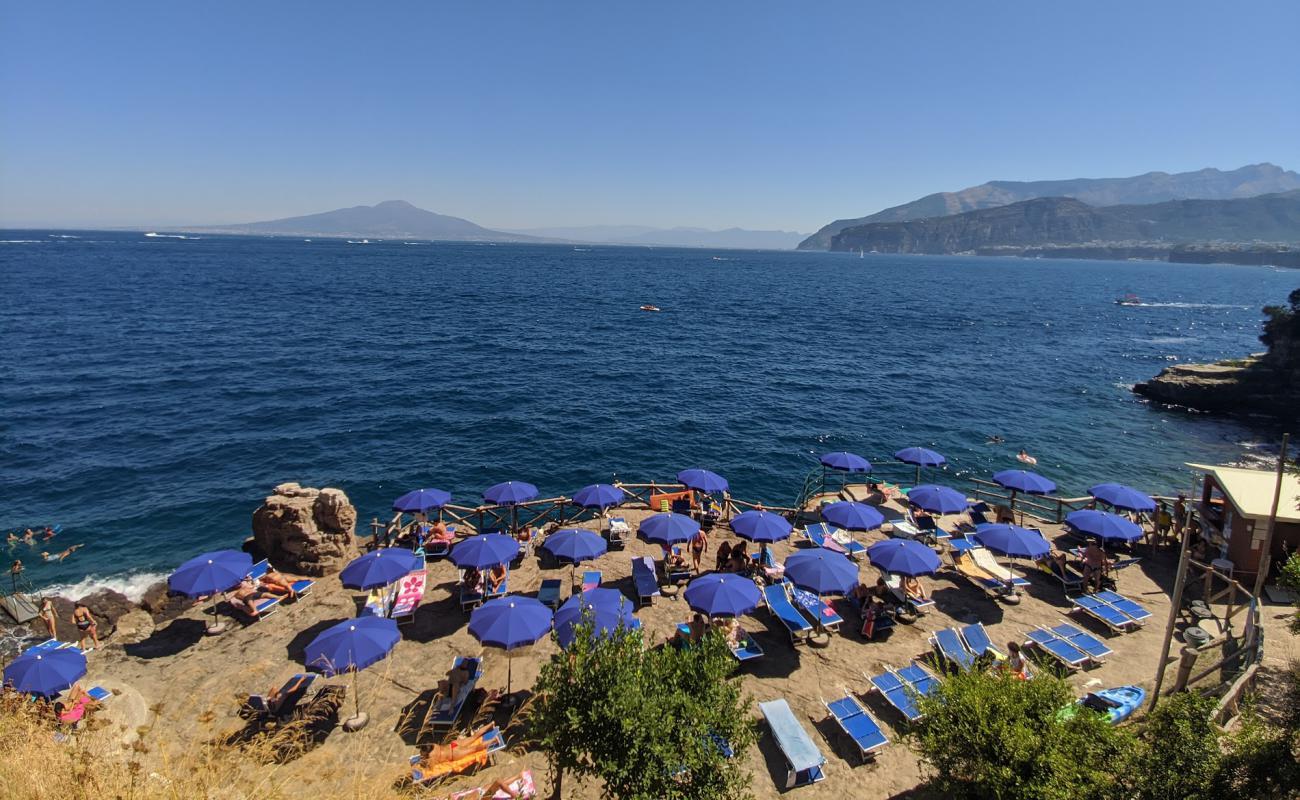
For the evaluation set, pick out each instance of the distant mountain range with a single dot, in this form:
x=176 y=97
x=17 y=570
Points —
x=1068 y=221
x=392 y=219
x=735 y=238
x=1153 y=187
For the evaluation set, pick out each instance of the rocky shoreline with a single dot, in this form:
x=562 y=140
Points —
x=1235 y=386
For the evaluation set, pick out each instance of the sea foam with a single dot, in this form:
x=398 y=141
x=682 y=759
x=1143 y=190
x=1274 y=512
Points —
x=131 y=584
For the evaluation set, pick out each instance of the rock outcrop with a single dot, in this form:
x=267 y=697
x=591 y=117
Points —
x=1240 y=386
x=306 y=531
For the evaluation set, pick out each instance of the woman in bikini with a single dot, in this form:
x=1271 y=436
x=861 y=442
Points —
x=463 y=747
x=46 y=613
x=87 y=628
x=699 y=546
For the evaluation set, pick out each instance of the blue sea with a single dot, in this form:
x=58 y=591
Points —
x=153 y=390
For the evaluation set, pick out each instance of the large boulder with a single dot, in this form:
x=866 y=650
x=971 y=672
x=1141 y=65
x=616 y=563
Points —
x=306 y=531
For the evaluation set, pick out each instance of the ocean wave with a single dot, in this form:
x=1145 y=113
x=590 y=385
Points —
x=1188 y=305
x=20 y=241
x=153 y=235
x=131 y=584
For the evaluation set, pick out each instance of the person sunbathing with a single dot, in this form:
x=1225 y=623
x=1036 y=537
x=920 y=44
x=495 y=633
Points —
x=505 y=786
x=449 y=688
x=277 y=583
x=674 y=561
x=696 y=630
x=73 y=709
x=275 y=699
x=730 y=628
x=469 y=745
x=497 y=578
x=246 y=596
x=724 y=554
x=913 y=589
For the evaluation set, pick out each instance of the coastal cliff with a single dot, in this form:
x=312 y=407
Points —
x=1265 y=383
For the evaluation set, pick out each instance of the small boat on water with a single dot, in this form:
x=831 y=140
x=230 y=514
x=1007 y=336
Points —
x=648 y=307
x=1129 y=299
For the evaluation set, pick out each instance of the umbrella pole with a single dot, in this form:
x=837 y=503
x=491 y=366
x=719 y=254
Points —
x=918 y=476
x=358 y=720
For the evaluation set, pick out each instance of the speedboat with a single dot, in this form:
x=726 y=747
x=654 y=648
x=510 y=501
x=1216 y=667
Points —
x=1129 y=300
x=651 y=308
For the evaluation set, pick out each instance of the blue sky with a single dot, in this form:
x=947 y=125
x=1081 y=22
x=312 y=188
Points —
x=518 y=114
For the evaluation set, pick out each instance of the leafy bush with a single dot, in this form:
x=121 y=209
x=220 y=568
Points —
x=996 y=736
x=643 y=721
x=1178 y=753
x=1289 y=578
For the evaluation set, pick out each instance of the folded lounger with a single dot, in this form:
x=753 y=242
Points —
x=857 y=724
x=1125 y=606
x=549 y=593
x=895 y=584
x=495 y=742
x=443 y=715
x=1062 y=650
x=778 y=602
x=591 y=580
x=801 y=755
x=1112 y=617
x=1094 y=647
x=978 y=641
x=817 y=610
x=647 y=582
x=952 y=648
x=410 y=594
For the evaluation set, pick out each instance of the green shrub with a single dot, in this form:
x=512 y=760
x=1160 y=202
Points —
x=1178 y=750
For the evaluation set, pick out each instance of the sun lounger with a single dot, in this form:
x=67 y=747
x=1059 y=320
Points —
x=409 y=596
x=985 y=560
x=926 y=528
x=900 y=688
x=259 y=569
x=590 y=580
x=978 y=642
x=920 y=679
x=493 y=738
x=1129 y=608
x=952 y=648
x=444 y=712
x=801 y=755
x=777 y=598
x=647 y=583
x=816 y=609
x=968 y=569
x=822 y=535
x=267 y=606
x=380 y=601
x=1094 y=647
x=746 y=649
x=618 y=533
x=1110 y=616
x=469 y=598
x=857 y=724
x=549 y=593
x=895 y=584
x=99 y=694
x=501 y=591
x=46 y=646
x=1063 y=651
x=1071 y=579
x=871 y=628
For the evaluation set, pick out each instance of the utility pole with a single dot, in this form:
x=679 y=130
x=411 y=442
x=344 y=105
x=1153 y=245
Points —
x=1264 y=557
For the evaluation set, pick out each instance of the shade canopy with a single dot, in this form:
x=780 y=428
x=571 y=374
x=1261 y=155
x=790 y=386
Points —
x=510 y=493
x=761 y=526
x=1012 y=541
x=668 y=528
x=1104 y=525
x=903 y=556
x=1117 y=495
x=937 y=499
x=421 y=501
x=701 y=480
x=210 y=573
x=846 y=462
x=1022 y=480
x=721 y=594
x=46 y=672
x=379 y=568
x=852 y=516
x=353 y=644
x=598 y=495
x=607 y=609
x=821 y=571
x=575 y=545
x=510 y=622
x=920 y=456
x=484 y=550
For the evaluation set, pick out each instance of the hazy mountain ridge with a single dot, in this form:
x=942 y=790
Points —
x=1152 y=187
x=391 y=219
x=1068 y=221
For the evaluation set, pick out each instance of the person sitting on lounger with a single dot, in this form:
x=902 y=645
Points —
x=438 y=534
x=739 y=559
x=71 y=710
x=504 y=786
x=449 y=688
x=276 y=698
x=913 y=589
x=698 y=625
x=872 y=613
x=730 y=628
x=497 y=578
x=674 y=562
x=724 y=553
x=861 y=594
x=472 y=582
x=277 y=583
x=468 y=745
x=246 y=596
x=1016 y=662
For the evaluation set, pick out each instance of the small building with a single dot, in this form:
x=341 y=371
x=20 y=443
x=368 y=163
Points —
x=1234 y=508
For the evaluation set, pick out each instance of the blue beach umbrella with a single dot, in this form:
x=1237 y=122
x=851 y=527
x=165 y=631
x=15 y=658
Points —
x=701 y=480
x=921 y=457
x=1012 y=541
x=608 y=610
x=210 y=573
x=761 y=526
x=1103 y=525
x=351 y=646
x=846 y=462
x=722 y=594
x=668 y=529
x=598 y=495
x=510 y=493
x=1022 y=480
x=509 y=623
x=821 y=571
x=1117 y=495
x=852 y=516
x=421 y=501
x=484 y=550
x=937 y=499
x=575 y=545
x=45 y=673
x=903 y=556
x=379 y=568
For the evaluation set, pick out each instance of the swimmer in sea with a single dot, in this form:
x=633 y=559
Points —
x=995 y=439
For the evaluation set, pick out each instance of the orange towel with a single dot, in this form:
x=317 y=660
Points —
x=471 y=761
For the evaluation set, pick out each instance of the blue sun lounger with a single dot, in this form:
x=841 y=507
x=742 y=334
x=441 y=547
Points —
x=818 y=611
x=591 y=580
x=820 y=532
x=978 y=641
x=857 y=724
x=647 y=582
x=1125 y=606
x=802 y=756
x=1094 y=647
x=952 y=649
x=291 y=693
x=443 y=715
x=99 y=694
x=1112 y=617
x=48 y=645
x=901 y=688
x=746 y=649
x=548 y=594
x=259 y=569
x=1062 y=650
x=920 y=679
x=778 y=602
